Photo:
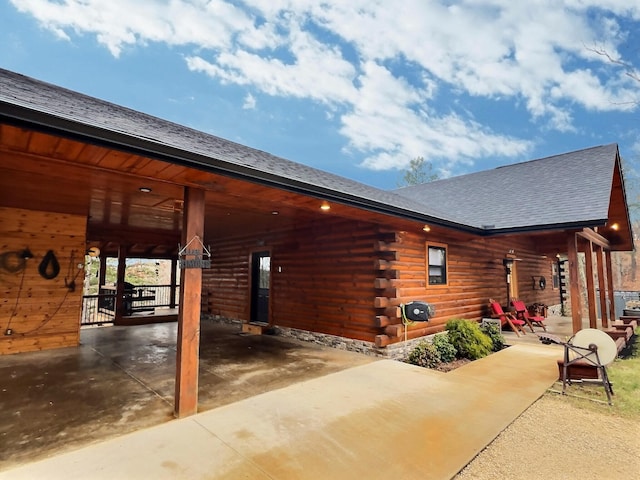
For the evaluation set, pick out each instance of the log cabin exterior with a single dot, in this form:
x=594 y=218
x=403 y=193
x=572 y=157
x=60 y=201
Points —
x=340 y=257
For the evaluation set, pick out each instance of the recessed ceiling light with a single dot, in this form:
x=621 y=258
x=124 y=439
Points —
x=145 y=189
x=275 y=212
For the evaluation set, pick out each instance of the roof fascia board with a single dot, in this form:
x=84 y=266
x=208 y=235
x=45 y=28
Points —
x=618 y=170
x=47 y=123
x=548 y=228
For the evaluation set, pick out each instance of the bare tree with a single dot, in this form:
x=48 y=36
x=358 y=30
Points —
x=629 y=70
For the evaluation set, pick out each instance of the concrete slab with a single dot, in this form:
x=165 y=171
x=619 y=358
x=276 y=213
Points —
x=121 y=379
x=378 y=420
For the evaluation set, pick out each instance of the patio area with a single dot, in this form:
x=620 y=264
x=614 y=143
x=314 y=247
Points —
x=121 y=379
x=561 y=327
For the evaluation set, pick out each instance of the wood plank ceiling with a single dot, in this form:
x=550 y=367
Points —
x=45 y=172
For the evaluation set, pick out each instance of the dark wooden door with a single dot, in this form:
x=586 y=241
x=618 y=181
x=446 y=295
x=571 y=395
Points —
x=260 y=284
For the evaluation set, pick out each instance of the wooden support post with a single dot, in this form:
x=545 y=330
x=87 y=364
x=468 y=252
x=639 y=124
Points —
x=172 y=290
x=610 y=291
x=602 y=287
x=102 y=273
x=591 y=289
x=122 y=265
x=574 y=282
x=188 y=342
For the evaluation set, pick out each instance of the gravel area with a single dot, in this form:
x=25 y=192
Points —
x=554 y=440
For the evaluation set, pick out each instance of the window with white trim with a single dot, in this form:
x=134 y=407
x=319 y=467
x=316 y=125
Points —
x=436 y=264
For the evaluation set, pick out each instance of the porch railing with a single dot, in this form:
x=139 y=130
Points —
x=100 y=309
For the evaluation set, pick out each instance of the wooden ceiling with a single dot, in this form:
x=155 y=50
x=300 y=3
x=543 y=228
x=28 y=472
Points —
x=46 y=172
x=40 y=171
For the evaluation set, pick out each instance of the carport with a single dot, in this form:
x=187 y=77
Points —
x=121 y=379
x=78 y=172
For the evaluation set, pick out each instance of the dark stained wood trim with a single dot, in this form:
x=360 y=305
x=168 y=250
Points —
x=122 y=265
x=172 y=292
x=594 y=237
x=610 y=291
x=574 y=282
x=102 y=275
x=591 y=292
x=602 y=286
x=188 y=342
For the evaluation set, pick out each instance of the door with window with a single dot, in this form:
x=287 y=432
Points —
x=260 y=286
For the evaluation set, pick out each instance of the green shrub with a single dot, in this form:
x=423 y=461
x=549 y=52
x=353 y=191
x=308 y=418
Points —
x=445 y=348
x=494 y=332
x=424 y=354
x=468 y=339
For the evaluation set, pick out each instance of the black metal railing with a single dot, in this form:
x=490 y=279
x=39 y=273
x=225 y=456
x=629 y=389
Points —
x=100 y=309
x=93 y=311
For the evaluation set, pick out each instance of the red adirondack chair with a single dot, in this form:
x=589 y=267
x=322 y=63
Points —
x=523 y=314
x=506 y=317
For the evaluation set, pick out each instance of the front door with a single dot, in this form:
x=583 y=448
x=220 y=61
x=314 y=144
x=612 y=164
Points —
x=260 y=283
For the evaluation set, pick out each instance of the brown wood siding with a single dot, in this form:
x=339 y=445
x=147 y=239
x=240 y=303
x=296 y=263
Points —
x=475 y=274
x=349 y=279
x=323 y=277
x=42 y=313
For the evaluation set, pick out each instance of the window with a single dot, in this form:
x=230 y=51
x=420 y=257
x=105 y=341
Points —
x=555 y=275
x=436 y=264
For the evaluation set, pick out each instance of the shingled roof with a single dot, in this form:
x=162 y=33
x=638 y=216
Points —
x=33 y=103
x=569 y=190
x=562 y=191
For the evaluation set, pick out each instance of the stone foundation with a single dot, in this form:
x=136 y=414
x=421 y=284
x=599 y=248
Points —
x=397 y=351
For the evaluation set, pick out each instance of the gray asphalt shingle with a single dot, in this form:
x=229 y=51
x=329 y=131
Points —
x=573 y=188
x=194 y=147
x=563 y=189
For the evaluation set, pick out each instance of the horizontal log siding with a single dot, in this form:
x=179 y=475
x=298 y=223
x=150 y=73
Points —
x=323 y=277
x=475 y=274
x=349 y=279
x=225 y=286
x=43 y=314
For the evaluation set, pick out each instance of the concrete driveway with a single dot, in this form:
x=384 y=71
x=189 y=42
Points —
x=121 y=380
x=380 y=420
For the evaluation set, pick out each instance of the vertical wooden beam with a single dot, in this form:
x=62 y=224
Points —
x=172 y=290
x=610 y=291
x=122 y=265
x=188 y=342
x=591 y=289
x=102 y=273
x=574 y=282
x=602 y=286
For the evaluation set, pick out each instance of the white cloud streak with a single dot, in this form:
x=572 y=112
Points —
x=346 y=56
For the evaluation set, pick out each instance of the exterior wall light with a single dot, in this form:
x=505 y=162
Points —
x=325 y=207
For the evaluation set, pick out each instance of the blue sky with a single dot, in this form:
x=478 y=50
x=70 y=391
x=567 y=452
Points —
x=357 y=87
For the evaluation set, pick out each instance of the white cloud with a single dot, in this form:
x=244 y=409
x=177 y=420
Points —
x=249 y=102
x=378 y=65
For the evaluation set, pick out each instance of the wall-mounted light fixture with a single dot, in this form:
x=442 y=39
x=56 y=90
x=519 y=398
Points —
x=426 y=228
x=26 y=254
x=325 y=207
x=615 y=226
x=145 y=189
